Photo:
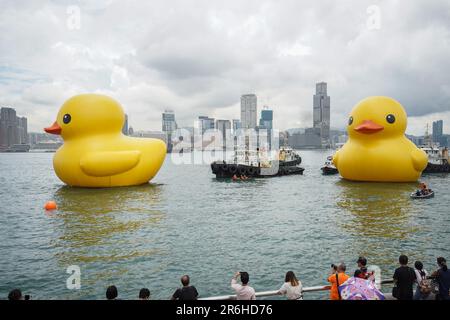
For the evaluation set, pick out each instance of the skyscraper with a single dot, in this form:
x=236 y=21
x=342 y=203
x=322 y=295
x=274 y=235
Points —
x=224 y=126
x=438 y=131
x=169 y=125
x=205 y=123
x=22 y=128
x=321 y=112
x=168 y=121
x=248 y=111
x=236 y=125
x=125 y=125
x=9 y=128
x=266 y=121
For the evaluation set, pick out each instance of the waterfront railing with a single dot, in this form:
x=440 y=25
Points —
x=274 y=293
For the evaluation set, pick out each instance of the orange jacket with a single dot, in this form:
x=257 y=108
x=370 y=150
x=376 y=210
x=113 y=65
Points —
x=334 y=295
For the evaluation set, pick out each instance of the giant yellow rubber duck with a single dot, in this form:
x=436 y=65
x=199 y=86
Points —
x=95 y=153
x=377 y=149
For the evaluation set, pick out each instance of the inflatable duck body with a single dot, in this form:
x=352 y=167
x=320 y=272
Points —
x=95 y=153
x=377 y=149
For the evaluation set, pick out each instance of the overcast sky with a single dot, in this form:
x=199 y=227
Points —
x=198 y=57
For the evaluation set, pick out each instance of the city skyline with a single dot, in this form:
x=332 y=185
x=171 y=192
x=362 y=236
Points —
x=14 y=134
x=200 y=59
x=174 y=125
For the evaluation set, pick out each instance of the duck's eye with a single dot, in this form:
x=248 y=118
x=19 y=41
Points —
x=350 y=121
x=390 y=118
x=67 y=118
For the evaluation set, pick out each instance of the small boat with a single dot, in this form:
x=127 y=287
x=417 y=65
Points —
x=429 y=195
x=329 y=167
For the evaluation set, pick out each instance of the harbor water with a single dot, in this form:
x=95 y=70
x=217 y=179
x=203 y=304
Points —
x=187 y=222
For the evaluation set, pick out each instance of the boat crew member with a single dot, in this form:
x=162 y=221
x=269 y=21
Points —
x=425 y=189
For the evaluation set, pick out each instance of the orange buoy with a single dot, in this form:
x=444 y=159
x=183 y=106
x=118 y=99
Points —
x=50 y=205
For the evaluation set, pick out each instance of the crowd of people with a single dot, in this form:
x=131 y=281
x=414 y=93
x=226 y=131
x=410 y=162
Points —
x=406 y=279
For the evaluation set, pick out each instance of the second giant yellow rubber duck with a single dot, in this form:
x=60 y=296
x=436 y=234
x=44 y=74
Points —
x=377 y=149
x=95 y=153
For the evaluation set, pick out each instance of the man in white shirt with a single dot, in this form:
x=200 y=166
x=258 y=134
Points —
x=244 y=291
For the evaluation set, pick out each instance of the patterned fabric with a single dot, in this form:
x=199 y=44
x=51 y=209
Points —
x=360 y=289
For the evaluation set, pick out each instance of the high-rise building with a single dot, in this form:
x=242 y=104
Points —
x=224 y=126
x=169 y=125
x=168 y=121
x=266 y=121
x=205 y=123
x=248 y=111
x=22 y=127
x=125 y=126
x=438 y=131
x=13 y=129
x=321 y=112
x=236 y=125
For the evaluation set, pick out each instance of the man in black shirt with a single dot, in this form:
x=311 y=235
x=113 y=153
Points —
x=187 y=292
x=404 y=278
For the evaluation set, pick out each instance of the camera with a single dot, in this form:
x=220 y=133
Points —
x=334 y=267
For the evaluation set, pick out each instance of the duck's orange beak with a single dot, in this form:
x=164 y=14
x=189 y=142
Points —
x=369 y=127
x=54 y=129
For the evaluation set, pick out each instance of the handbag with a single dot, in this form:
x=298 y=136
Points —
x=425 y=286
x=395 y=291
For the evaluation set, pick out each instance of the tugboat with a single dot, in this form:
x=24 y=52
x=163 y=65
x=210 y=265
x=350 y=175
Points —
x=438 y=159
x=257 y=165
x=329 y=168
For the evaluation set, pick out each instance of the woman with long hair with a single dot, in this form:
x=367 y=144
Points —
x=292 y=287
x=423 y=286
x=442 y=276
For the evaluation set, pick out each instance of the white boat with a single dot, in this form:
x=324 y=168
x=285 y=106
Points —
x=438 y=159
x=329 y=168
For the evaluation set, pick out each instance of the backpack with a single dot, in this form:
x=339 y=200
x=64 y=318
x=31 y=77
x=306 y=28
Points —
x=425 y=286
